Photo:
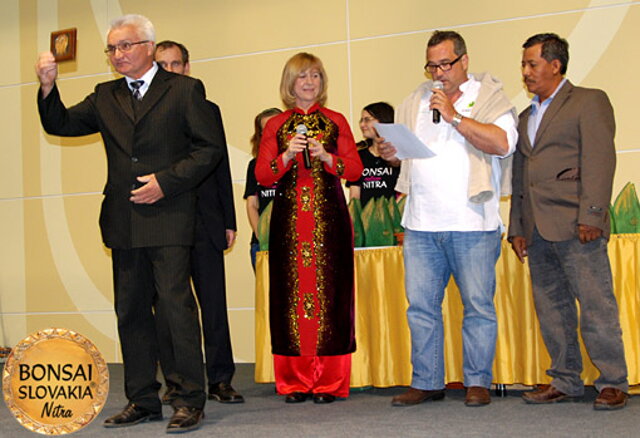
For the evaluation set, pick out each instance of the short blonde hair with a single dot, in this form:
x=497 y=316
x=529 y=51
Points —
x=292 y=69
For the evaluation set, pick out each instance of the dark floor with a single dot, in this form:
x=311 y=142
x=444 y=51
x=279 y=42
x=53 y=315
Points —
x=368 y=413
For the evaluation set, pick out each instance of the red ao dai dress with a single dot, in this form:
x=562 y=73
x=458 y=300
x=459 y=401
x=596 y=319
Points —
x=311 y=286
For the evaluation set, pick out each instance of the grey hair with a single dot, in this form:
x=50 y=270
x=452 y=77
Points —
x=141 y=23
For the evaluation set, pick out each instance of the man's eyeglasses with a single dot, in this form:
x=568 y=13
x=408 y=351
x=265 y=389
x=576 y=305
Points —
x=124 y=46
x=445 y=66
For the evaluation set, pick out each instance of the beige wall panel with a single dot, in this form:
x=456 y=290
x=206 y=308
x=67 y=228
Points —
x=238 y=270
x=223 y=28
x=100 y=328
x=14 y=329
x=617 y=73
x=379 y=17
x=63 y=14
x=26 y=30
x=626 y=171
x=59 y=277
x=11 y=169
x=90 y=56
x=12 y=257
x=44 y=289
x=61 y=164
x=386 y=69
x=243 y=87
x=10 y=47
x=241 y=326
x=81 y=214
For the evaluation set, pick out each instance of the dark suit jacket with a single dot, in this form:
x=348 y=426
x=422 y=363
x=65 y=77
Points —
x=172 y=135
x=215 y=194
x=566 y=179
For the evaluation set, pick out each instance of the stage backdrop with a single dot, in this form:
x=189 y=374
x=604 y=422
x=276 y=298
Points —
x=54 y=270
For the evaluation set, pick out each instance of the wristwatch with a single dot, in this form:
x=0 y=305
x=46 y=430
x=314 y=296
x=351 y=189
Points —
x=457 y=119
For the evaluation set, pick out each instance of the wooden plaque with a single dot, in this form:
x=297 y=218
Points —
x=63 y=44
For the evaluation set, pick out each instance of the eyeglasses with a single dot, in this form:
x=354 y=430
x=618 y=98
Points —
x=124 y=47
x=445 y=66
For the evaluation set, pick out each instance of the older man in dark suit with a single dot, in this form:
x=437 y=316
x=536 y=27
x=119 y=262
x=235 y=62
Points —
x=562 y=177
x=215 y=232
x=159 y=136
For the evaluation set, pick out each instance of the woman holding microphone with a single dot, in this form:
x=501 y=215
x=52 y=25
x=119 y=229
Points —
x=306 y=150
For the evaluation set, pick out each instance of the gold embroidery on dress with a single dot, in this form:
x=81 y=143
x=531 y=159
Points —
x=314 y=304
x=309 y=306
x=287 y=186
x=293 y=314
x=305 y=198
x=307 y=255
x=274 y=166
x=339 y=167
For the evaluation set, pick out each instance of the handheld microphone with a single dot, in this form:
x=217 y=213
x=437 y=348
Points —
x=302 y=129
x=437 y=85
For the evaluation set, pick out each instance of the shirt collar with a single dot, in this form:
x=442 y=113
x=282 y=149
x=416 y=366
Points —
x=314 y=107
x=535 y=102
x=466 y=84
x=147 y=78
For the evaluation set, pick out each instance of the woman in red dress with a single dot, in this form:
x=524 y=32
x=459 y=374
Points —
x=311 y=295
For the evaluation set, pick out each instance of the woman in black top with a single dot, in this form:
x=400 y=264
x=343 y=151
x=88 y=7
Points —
x=257 y=197
x=378 y=177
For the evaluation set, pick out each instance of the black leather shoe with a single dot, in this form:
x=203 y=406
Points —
x=131 y=415
x=185 y=419
x=296 y=397
x=321 y=398
x=224 y=393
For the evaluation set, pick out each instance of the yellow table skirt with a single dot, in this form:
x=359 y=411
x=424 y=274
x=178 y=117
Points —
x=383 y=356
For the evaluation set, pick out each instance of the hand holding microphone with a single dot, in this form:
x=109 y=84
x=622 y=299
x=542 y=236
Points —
x=437 y=85
x=302 y=129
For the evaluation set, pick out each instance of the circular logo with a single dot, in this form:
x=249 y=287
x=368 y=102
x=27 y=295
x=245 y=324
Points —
x=55 y=381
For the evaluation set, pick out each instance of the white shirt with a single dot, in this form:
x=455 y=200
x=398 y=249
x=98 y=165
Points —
x=147 y=78
x=438 y=199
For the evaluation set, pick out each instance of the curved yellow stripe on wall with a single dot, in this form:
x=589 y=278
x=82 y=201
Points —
x=81 y=290
x=588 y=41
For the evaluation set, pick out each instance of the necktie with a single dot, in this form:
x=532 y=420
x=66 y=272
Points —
x=135 y=85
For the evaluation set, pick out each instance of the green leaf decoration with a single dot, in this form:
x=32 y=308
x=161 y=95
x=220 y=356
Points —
x=264 y=224
x=396 y=217
x=613 y=220
x=355 y=211
x=626 y=211
x=378 y=227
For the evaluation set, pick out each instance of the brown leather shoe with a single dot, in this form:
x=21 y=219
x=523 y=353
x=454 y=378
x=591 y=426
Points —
x=415 y=396
x=610 y=399
x=477 y=396
x=546 y=394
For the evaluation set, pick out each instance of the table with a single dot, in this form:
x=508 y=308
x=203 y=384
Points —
x=383 y=356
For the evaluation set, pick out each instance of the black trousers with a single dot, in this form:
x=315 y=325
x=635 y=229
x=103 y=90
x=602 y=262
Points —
x=144 y=278
x=207 y=272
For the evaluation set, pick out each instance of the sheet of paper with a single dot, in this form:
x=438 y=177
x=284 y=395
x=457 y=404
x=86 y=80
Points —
x=406 y=143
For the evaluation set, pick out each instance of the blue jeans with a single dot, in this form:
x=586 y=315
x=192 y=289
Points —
x=561 y=273
x=430 y=259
